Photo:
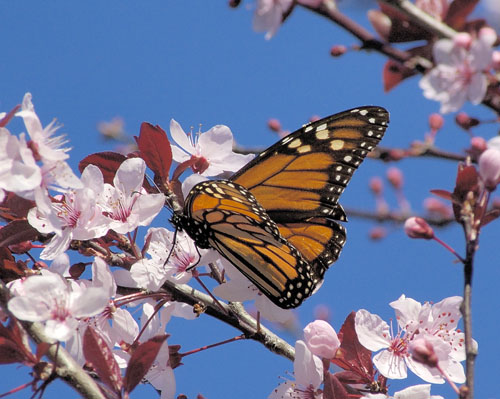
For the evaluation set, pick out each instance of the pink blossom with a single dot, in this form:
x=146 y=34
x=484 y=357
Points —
x=459 y=72
x=308 y=372
x=269 y=15
x=422 y=391
x=19 y=171
x=126 y=203
x=489 y=168
x=51 y=300
x=75 y=216
x=212 y=151
x=436 y=323
x=321 y=339
x=48 y=146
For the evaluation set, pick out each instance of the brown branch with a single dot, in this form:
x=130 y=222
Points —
x=233 y=314
x=369 y=42
x=394 y=217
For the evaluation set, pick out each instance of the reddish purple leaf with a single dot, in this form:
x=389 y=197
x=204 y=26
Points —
x=352 y=356
x=394 y=73
x=10 y=352
x=107 y=162
x=97 y=352
x=141 y=361
x=490 y=217
x=14 y=207
x=458 y=12
x=443 y=194
x=333 y=388
x=16 y=232
x=155 y=149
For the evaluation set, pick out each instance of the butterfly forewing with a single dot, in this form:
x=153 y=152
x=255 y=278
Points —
x=304 y=174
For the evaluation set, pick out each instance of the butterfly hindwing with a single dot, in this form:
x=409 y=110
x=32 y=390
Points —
x=225 y=216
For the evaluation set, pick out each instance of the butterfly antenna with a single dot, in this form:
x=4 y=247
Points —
x=174 y=242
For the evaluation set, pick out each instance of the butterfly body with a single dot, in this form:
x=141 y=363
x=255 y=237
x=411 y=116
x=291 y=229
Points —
x=276 y=218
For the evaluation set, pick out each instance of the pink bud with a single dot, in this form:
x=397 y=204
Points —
x=377 y=233
x=436 y=207
x=436 y=121
x=422 y=351
x=321 y=339
x=395 y=177
x=495 y=59
x=322 y=312
x=416 y=227
x=338 y=50
x=487 y=35
x=380 y=22
x=478 y=144
x=462 y=39
x=465 y=121
x=489 y=168
x=274 y=125
x=376 y=185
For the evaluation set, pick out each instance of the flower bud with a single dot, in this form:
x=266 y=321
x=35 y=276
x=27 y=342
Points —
x=436 y=121
x=422 y=351
x=495 y=60
x=462 y=39
x=378 y=233
x=321 y=339
x=487 y=35
x=274 y=125
x=489 y=168
x=478 y=144
x=338 y=50
x=465 y=121
x=376 y=185
x=395 y=177
x=435 y=207
x=416 y=227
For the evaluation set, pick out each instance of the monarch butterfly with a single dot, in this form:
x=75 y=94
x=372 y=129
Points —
x=275 y=219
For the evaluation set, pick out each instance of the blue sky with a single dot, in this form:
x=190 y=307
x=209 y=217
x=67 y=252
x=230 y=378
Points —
x=201 y=63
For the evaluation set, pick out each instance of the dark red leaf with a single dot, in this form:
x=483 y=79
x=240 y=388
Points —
x=141 y=361
x=107 y=162
x=16 y=232
x=10 y=352
x=333 y=388
x=490 y=216
x=155 y=149
x=443 y=194
x=42 y=349
x=458 y=12
x=97 y=352
x=14 y=207
x=352 y=356
x=394 y=73
x=77 y=270
x=12 y=345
